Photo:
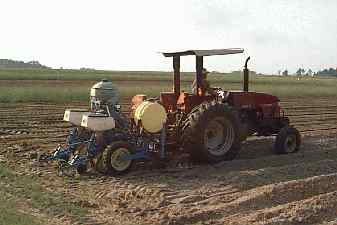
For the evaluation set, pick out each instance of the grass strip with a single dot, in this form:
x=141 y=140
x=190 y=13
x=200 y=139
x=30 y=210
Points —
x=35 y=93
x=65 y=86
x=28 y=189
x=10 y=215
x=94 y=75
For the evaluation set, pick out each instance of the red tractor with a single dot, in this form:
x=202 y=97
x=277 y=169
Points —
x=211 y=127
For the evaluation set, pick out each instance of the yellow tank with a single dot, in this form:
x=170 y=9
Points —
x=151 y=115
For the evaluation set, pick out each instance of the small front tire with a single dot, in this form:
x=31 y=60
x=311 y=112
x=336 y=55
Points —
x=82 y=169
x=116 y=165
x=288 y=140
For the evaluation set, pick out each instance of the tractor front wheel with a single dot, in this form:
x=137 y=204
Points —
x=288 y=140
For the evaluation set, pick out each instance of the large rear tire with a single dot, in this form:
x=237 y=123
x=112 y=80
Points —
x=211 y=133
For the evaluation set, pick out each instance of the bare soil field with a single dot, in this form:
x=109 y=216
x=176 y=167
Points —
x=258 y=187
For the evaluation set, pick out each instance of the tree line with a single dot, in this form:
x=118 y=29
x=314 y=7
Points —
x=328 y=72
x=309 y=72
x=9 y=63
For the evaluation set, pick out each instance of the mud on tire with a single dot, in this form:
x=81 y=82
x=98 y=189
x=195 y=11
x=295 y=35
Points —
x=211 y=133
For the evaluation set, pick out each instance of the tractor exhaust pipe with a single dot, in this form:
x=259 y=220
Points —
x=246 y=76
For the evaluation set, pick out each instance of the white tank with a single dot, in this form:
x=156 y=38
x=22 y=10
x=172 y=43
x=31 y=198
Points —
x=97 y=122
x=151 y=116
x=74 y=116
x=105 y=92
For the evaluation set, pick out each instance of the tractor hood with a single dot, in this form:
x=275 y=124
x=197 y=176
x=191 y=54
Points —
x=250 y=99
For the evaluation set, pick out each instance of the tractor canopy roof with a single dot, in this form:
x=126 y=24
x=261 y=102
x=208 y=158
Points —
x=205 y=52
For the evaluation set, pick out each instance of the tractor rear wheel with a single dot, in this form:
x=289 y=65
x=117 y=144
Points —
x=211 y=133
x=288 y=140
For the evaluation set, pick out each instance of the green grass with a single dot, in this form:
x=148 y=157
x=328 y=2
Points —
x=42 y=94
x=92 y=75
x=10 y=215
x=16 y=94
x=80 y=93
x=62 y=74
x=44 y=85
x=27 y=188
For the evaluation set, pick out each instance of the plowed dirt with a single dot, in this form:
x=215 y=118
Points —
x=258 y=187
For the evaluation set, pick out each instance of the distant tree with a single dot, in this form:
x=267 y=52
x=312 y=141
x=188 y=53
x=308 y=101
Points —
x=332 y=71
x=327 y=72
x=34 y=62
x=300 y=72
x=309 y=72
x=8 y=63
x=285 y=73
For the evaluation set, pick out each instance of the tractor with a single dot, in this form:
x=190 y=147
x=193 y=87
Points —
x=211 y=127
x=208 y=127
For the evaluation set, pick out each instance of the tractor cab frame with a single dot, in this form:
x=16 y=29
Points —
x=185 y=101
x=199 y=56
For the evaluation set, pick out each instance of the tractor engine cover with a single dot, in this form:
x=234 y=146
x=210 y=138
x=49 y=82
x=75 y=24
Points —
x=151 y=116
x=105 y=92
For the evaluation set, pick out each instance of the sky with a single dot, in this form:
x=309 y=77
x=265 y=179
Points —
x=130 y=34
